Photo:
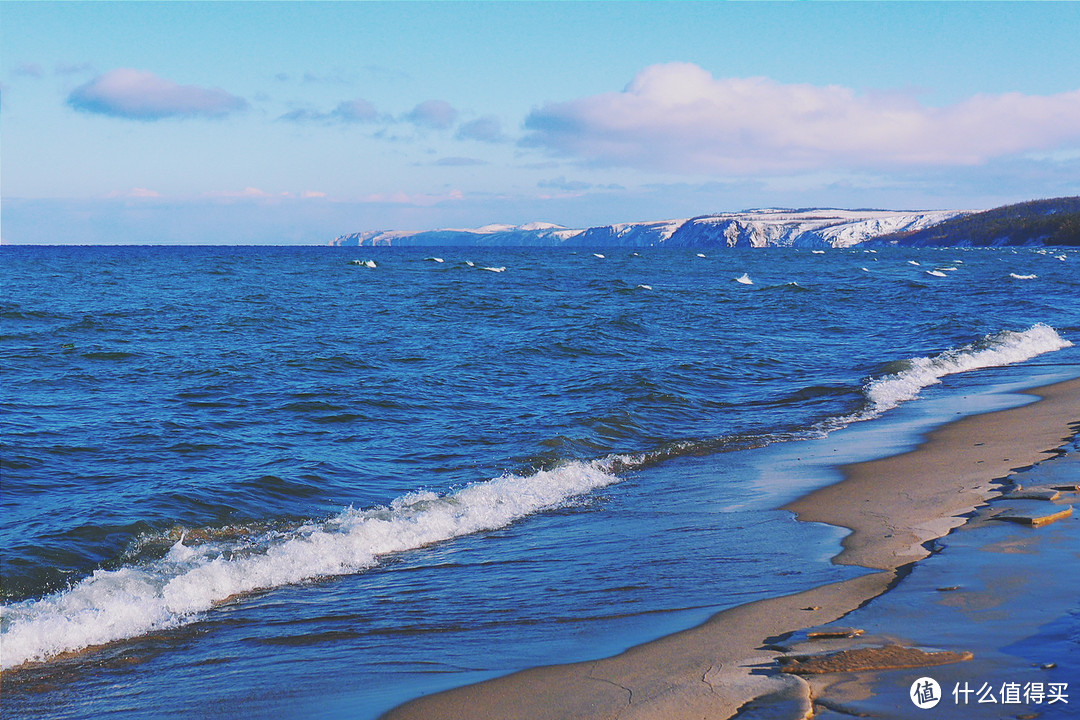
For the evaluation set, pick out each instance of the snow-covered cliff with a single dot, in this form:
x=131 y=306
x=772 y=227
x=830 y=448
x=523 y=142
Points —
x=816 y=227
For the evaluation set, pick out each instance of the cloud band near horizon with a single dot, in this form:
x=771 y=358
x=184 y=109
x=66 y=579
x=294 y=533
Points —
x=678 y=118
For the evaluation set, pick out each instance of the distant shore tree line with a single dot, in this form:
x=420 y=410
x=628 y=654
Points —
x=1054 y=221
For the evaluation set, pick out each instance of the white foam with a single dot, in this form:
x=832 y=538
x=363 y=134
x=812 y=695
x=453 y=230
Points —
x=113 y=605
x=818 y=252
x=916 y=263
x=435 y=259
x=936 y=273
x=645 y=287
x=1023 y=277
x=598 y=255
x=470 y=263
x=744 y=279
x=1003 y=348
x=494 y=269
x=701 y=255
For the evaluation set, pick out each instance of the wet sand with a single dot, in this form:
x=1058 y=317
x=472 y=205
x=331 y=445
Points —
x=1005 y=595
x=895 y=507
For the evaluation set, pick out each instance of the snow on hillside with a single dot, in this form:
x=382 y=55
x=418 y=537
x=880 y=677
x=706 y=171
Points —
x=773 y=227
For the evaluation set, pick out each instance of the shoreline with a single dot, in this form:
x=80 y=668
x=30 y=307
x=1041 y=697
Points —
x=894 y=506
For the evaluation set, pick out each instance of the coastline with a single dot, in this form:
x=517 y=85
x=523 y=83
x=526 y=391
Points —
x=894 y=506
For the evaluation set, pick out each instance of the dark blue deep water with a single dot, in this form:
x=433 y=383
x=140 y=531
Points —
x=256 y=481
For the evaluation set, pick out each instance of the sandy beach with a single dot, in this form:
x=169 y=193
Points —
x=895 y=506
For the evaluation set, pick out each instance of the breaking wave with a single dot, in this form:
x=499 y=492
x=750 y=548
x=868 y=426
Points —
x=134 y=600
x=1002 y=348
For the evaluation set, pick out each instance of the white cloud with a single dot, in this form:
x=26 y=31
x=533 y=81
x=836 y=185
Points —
x=349 y=111
x=358 y=110
x=436 y=114
x=140 y=95
x=485 y=129
x=677 y=117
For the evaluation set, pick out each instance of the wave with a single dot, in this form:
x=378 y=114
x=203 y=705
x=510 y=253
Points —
x=789 y=287
x=134 y=600
x=1022 y=277
x=994 y=350
x=203 y=568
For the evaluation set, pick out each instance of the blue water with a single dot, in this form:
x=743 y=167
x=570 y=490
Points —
x=272 y=480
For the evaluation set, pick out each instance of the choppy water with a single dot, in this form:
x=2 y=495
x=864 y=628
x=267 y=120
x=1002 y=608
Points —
x=324 y=480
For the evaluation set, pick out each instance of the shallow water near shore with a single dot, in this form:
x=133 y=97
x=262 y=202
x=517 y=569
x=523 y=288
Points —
x=1005 y=592
x=274 y=480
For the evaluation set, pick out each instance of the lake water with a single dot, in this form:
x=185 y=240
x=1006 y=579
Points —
x=322 y=481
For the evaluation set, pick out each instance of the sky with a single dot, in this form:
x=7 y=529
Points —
x=295 y=122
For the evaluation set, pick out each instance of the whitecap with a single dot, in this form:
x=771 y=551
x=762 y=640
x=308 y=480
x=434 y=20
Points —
x=130 y=601
x=1023 y=277
x=494 y=269
x=936 y=273
x=645 y=287
x=701 y=255
x=1002 y=348
x=744 y=279
x=916 y=263
x=434 y=259
x=180 y=552
x=818 y=252
x=598 y=255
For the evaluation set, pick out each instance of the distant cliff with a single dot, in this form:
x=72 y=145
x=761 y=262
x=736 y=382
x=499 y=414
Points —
x=1038 y=222
x=815 y=227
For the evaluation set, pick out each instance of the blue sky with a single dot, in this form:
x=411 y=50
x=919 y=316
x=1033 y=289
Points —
x=278 y=122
